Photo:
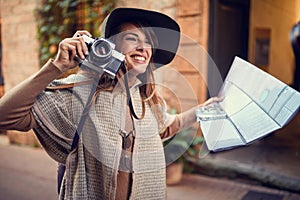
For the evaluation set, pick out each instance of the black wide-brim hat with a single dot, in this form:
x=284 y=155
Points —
x=166 y=29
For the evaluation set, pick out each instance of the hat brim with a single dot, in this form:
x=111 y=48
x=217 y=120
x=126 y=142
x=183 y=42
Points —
x=165 y=28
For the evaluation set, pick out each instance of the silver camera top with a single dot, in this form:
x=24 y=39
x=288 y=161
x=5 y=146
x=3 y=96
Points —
x=102 y=56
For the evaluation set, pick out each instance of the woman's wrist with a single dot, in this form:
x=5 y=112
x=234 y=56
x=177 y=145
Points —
x=57 y=65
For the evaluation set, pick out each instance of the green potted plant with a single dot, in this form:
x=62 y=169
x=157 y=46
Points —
x=177 y=148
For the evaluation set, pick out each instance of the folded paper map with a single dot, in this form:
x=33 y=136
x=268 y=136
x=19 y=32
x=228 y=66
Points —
x=255 y=104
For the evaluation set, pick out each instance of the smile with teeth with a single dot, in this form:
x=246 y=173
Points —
x=139 y=58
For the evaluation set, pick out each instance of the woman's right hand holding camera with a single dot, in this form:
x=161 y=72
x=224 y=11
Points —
x=70 y=50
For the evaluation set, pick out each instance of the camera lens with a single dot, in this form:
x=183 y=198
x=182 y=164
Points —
x=101 y=50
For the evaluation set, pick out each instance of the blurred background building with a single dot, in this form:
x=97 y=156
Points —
x=256 y=30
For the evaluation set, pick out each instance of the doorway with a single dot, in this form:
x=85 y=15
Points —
x=228 y=37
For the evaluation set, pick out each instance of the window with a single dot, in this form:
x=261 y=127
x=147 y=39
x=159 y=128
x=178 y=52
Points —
x=262 y=47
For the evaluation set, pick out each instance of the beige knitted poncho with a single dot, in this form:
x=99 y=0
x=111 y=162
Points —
x=92 y=168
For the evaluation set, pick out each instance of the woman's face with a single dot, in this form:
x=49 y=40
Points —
x=136 y=47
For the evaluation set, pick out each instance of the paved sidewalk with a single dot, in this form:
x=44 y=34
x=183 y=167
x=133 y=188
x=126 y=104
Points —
x=28 y=174
x=197 y=187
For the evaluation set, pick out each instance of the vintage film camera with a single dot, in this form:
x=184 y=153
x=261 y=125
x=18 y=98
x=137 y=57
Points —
x=102 y=56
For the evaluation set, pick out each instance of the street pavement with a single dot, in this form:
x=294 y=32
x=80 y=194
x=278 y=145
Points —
x=28 y=173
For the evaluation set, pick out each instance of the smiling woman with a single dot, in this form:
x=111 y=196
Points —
x=121 y=120
x=136 y=43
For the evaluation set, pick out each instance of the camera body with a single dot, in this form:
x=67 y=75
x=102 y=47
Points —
x=102 y=56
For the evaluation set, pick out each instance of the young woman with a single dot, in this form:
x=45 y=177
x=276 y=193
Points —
x=119 y=154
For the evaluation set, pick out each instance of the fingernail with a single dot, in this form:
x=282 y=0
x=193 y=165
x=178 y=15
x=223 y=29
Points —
x=86 y=53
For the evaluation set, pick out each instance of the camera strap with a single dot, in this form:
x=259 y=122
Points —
x=61 y=167
x=130 y=102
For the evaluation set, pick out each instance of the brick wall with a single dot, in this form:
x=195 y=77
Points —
x=19 y=44
x=192 y=55
x=166 y=6
x=19 y=49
